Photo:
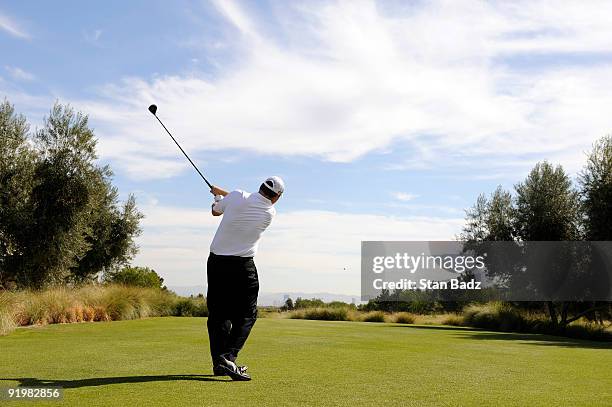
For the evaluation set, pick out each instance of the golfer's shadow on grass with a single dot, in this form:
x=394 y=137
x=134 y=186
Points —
x=103 y=381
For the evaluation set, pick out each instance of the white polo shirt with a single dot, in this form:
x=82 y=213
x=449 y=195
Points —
x=245 y=217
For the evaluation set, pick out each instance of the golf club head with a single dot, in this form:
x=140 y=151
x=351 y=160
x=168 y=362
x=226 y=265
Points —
x=153 y=109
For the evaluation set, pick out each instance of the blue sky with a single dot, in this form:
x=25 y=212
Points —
x=386 y=119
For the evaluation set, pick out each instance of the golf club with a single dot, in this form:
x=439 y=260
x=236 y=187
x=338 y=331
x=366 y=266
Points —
x=153 y=110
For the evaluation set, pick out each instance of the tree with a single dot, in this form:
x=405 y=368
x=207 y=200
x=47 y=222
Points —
x=547 y=206
x=136 y=276
x=61 y=198
x=547 y=209
x=111 y=238
x=60 y=218
x=596 y=191
x=490 y=219
x=288 y=305
x=17 y=163
x=595 y=182
x=301 y=303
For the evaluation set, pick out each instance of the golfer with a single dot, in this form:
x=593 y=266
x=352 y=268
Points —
x=232 y=276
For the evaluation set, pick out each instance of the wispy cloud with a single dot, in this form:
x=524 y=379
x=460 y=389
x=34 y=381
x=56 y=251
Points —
x=404 y=196
x=10 y=26
x=342 y=79
x=19 y=74
x=237 y=17
x=355 y=78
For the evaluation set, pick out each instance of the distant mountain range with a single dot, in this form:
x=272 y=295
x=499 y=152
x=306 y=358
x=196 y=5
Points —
x=268 y=299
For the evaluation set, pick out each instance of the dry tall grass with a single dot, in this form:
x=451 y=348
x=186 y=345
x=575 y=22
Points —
x=326 y=314
x=7 y=315
x=88 y=303
x=347 y=314
x=403 y=318
x=373 y=316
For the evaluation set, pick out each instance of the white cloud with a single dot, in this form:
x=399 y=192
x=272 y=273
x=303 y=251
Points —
x=237 y=17
x=12 y=27
x=19 y=74
x=404 y=196
x=302 y=250
x=351 y=78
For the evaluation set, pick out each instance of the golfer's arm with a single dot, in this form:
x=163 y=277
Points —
x=215 y=190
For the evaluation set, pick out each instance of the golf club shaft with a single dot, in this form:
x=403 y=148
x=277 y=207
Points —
x=184 y=153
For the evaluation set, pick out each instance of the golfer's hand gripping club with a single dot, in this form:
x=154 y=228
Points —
x=215 y=190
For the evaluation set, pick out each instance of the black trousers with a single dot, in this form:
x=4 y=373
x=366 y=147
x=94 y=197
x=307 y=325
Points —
x=233 y=286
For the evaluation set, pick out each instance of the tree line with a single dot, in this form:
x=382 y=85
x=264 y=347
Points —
x=549 y=206
x=546 y=206
x=61 y=220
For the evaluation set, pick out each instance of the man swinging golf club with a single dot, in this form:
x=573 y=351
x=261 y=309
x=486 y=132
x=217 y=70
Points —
x=232 y=276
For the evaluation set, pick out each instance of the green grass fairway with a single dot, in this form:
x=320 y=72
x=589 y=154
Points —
x=165 y=361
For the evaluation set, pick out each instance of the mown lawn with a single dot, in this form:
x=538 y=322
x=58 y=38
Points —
x=164 y=361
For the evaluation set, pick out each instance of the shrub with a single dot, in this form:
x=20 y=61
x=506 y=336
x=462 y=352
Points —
x=88 y=314
x=588 y=330
x=161 y=302
x=453 y=320
x=33 y=311
x=373 y=316
x=581 y=329
x=119 y=305
x=354 y=315
x=403 y=318
x=302 y=303
x=100 y=314
x=124 y=302
x=53 y=306
x=136 y=276
x=340 y=304
x=326 y=314
x=498 y=316
x=7 y=314
x=7 y=322
x=190 y=307
x=482 y=315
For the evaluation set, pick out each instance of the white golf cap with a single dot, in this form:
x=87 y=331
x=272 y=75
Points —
x=276 y=184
